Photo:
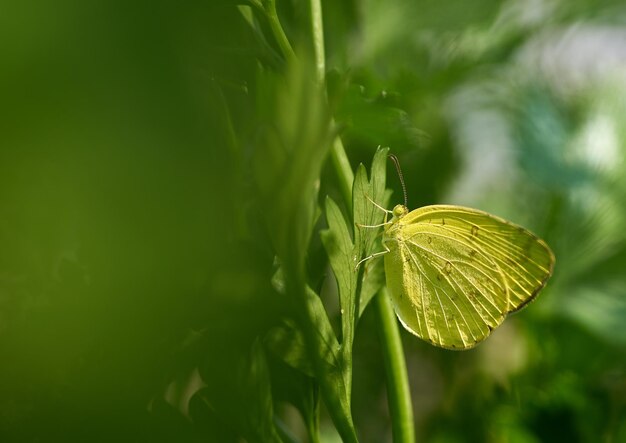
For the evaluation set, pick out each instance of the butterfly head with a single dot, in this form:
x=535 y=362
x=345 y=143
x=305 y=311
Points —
x=400 y=211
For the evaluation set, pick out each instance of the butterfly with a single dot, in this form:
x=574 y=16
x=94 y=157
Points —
x=455 y=273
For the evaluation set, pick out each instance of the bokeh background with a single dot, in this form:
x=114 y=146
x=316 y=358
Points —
x=134 y=268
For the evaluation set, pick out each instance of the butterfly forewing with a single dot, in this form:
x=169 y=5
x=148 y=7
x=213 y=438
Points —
x=454 y=273
x=525 y=260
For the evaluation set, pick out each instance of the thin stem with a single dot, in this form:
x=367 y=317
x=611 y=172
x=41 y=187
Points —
x=343 y=170
x=346 y=177
x=397 y=381
x=337 y=152
x=399 y=396
x=398 y=393
x=317 y=31
x=342 y=420
x=277 y=30
x=313 y=428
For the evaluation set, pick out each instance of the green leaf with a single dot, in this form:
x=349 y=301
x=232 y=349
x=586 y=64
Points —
x=340 y=249
x=373 y=273
x=292 y=141
x=367 y=240
x=338 y=372
x=344 y=254
x=287 y=340
x=334 y=368
x=323 y=359
x=365 y=212
x=357 y=286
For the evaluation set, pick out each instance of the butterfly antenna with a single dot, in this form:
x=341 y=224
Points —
x=397 y=163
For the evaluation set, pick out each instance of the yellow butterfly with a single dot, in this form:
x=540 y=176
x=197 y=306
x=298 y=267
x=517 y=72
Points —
x=454 y=273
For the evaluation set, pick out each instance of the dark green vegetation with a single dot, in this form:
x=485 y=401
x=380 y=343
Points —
x=173 y=204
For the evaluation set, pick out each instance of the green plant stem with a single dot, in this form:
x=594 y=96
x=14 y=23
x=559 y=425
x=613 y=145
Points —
x=313 y=428
x=399 y=395
x=342 y=420
x=398 y=392
x=346 y=178
x=342 y=167
x=397 y=381
x=337 y=152
x=277 y=30
x=317 y=32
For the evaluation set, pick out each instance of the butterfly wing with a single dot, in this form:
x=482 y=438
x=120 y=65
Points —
x=441 y=292
x=524 y=259
x=454 y=273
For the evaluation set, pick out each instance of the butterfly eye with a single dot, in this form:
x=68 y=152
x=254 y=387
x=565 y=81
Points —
x=400 y=210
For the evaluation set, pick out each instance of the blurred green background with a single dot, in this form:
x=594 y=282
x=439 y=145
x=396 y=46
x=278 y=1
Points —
x=135 y=265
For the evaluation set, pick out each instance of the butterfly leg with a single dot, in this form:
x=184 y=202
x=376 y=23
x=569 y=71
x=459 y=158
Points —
x=377 y=205
x=382 y=209
x=358 y=225
x=374 y=255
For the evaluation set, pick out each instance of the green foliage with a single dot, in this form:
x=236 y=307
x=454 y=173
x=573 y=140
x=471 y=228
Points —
x=344 y=253
x=332 y=362
x=178 y=243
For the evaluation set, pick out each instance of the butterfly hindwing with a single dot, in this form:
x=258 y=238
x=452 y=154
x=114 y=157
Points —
x=457 y=302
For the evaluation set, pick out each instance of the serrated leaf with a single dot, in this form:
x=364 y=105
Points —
x=364 y=193
x=324 y=361
x=340 y=249
x=333 y=369
x=345 y=254
x=373 y=270
x=328 y=342
x=319 y=353
x=367 y=214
